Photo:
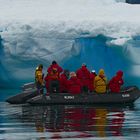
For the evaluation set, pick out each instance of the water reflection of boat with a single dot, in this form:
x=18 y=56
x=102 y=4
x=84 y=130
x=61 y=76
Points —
x=101 y=121
x=87 y=120
x=116 y=122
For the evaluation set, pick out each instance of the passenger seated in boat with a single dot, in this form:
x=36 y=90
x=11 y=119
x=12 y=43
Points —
x=53 y=81
x=92 y=77
x=116 y=82
x=53 y=77
x=100 y=82
x=74 y=84
x=84 y=75
x=63 y=81
x=39 y=78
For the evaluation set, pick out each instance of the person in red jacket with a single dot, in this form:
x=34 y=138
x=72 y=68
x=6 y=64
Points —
x=92 y=76
x=74 y=84
x=53 y=77
x=63 y=81
x=84 y=75
x=116 y=82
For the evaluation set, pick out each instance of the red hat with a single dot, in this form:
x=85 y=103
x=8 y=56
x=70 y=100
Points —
x=120 y=73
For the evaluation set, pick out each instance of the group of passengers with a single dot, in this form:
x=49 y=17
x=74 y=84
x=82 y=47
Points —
x=81 y=81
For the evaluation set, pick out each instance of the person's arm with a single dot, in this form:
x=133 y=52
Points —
x=40 y=79
x=49 y=69
x=60 y=69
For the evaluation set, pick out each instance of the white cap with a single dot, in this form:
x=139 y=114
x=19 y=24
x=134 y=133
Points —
x=93 y=71
x=72 y=74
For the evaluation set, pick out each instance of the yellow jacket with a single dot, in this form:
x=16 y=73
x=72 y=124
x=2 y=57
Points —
x=39 y=76
x=100 y=83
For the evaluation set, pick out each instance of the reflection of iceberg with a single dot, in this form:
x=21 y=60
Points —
x=31 y=36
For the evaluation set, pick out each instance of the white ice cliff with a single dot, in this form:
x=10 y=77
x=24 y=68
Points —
x=34 y=32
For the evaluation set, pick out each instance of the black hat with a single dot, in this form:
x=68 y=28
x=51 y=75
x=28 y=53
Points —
x=41 y=66
x=54 y=62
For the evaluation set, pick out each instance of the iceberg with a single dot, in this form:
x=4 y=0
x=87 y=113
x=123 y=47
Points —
x=103 y=34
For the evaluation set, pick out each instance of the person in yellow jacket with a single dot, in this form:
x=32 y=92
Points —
x=100 y=82
x=39 y=78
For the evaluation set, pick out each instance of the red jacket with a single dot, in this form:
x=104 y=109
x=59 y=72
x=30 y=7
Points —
x=54 y=75
x=84 y=75
x=63 y=83
x=91 y=86
x=48 y=78
x=116 y=82
x=59 y=69
x=74 y=85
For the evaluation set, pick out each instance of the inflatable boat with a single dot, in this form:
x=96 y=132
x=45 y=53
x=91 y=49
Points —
x=127 y=95
x=30 y=95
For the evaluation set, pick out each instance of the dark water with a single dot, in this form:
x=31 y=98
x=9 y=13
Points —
x=25 y=122
x=133 y=1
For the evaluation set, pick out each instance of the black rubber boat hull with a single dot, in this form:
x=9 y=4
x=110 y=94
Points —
x=21 y=98
x=129 y=95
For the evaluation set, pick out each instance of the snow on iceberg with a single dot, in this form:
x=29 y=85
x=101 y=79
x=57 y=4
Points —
x=34 y=32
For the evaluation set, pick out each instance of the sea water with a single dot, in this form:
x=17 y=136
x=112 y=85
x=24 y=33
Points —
x=26 y=122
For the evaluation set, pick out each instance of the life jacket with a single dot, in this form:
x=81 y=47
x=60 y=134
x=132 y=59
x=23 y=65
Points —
x=115 y=84
x=54 y=74
x=83 y=73
x=74 y=85
x=100 y=84
x=38 y=76
x=63 y=83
